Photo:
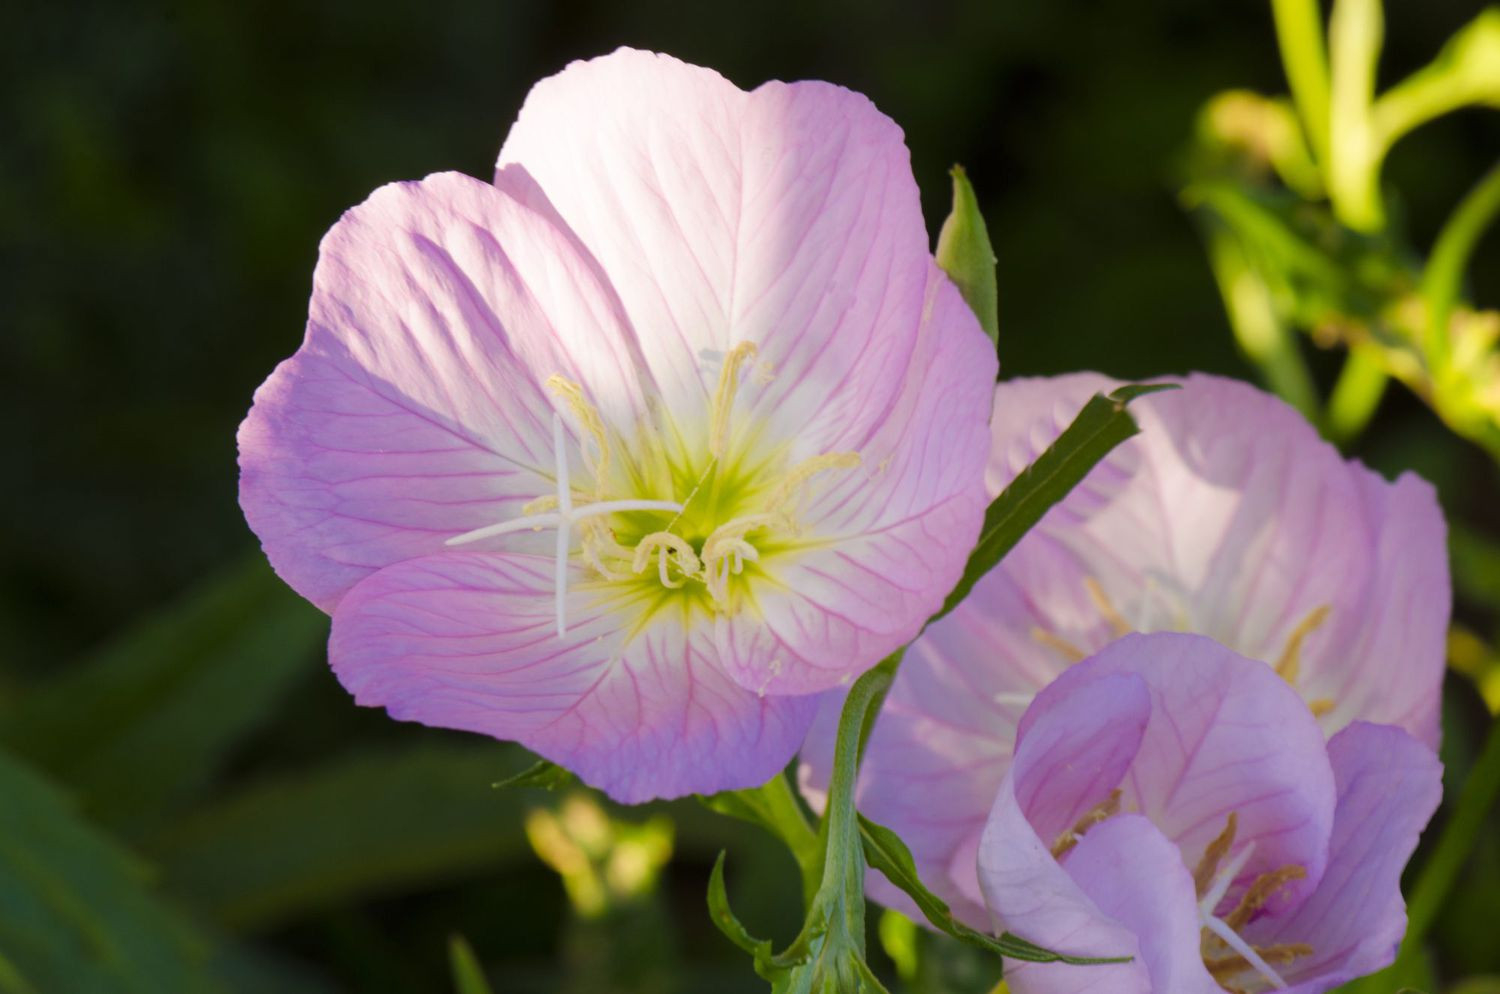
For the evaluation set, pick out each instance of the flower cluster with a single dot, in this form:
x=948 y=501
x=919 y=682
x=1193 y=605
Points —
x=641 y=451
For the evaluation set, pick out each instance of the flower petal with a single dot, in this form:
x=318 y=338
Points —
x=640 y=710
x=1226 y=737
x=886 y=541
x=1135 y=875
x=1066 y=768
x=413 y=410
x=787 y=217
x=1389 y=785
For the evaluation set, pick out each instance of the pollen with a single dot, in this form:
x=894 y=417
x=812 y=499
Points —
x=1103 y=811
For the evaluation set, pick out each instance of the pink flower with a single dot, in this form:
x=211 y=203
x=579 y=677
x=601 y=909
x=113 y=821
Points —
x=1174 y=801
x=1227 y=516
x=623 y=454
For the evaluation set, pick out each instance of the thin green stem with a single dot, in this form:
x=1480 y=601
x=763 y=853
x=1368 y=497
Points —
x=1299 y=33
x=1355 y=32
x=1450 y=257
x=1466 y=72
x=1266 y=340
x=1357 y=394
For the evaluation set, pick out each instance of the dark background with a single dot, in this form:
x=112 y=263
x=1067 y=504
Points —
x=166 y=171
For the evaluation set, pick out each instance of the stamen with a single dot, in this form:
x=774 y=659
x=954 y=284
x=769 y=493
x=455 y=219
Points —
x=1062 y=645
x=533 y=521
x=1209 y=864
x=804 y=471
x=1228 y=966
x=1106 y=607
x=565 y=514
x=1290 y=664
x=723 y=399
x=663 y=542
x=545 y=502
x=1103 y=811
x=588 y=417
x=1246 y=951
x=1260 y=892
x=1222 y=883
x=1321 y=706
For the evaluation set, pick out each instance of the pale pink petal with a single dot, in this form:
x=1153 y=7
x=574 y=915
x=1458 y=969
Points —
x=413 y=411
x=468 y=641
x=1389 y=785
x=787 y=217
x=886 y=541
x=1135 y=875
x=1226 y=737
x=1027 y=891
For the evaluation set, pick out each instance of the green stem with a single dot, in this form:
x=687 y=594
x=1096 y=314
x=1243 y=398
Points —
x=1454 y=845
x=1355 y=32
x=1264 y=337
x=1357 y=393
x=1450 y=256
x=1299 y=32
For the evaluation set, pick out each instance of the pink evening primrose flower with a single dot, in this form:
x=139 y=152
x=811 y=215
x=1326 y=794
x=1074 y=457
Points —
x=1176 y=802
x=1227 y=516
x=626 y=454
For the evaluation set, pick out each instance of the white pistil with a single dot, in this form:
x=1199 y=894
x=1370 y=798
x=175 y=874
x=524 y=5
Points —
x=562 y=519
x=1206 y=918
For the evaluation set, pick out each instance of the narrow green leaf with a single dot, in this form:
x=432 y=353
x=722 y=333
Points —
x=77 y=915
x=468 y=975
x=964 y=252
x=885 y=851
x=376 y=823
x=733 y=929
x=1099 y=427
x=544 y=774
x=774 y=806
x=147 y=720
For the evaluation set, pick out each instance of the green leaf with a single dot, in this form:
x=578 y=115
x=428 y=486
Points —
x=1099 y=427
x=774 y=806
x=75 y=911
x=733 y=929
x=150 y=718
x=544 y=774
x=376 y=823
x=885 y=852
x=468 y=976
x=964 y=252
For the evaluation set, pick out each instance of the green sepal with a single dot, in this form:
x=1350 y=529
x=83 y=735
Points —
x=965 y=254
x=468 y=976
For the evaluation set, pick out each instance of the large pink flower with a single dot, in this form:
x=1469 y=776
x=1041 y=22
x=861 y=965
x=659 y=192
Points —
x=1227 y=516
x=623 y=454
x=1175 y=802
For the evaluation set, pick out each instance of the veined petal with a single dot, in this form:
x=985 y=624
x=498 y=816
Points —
x=468 y=641
x=1226 y=737
x=787 y=217
x=1389 y=785
x=1027 y=890
x=1135 y=875
x=886 y=541
x=413 y=410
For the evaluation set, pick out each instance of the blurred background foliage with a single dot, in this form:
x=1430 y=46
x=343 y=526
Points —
x=188 y=801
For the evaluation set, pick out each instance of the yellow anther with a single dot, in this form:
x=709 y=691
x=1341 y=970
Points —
x=598 y=541
x=1223 y=968
x=1070 y=651
x=1103 y=811
x=1260 y=892
x=1106 y=607
x=787 y=487
x=588 y=417
x=681 y=556
x=1321 y=706
x=1289 y=666
x=723 y=399
x=1213 y=854
x=546 y=502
